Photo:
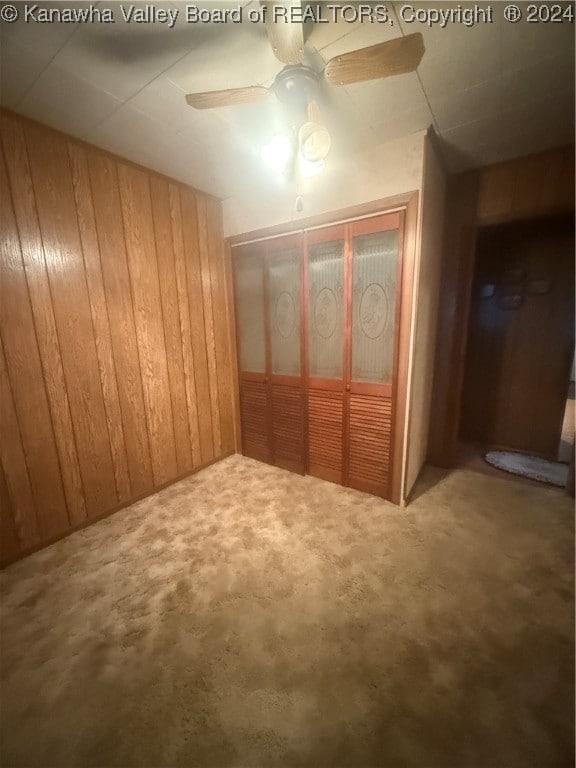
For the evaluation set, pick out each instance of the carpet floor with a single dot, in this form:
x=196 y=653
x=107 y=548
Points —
x=252 y=618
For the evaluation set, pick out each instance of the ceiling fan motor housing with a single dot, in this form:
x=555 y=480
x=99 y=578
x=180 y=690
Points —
x=296 y=85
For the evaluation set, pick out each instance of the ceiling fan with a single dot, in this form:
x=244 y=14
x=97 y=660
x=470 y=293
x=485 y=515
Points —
x=298 y=83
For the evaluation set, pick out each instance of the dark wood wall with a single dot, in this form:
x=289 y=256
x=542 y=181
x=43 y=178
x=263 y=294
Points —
x=115 y=361
x=521 y=337
x=518 y=190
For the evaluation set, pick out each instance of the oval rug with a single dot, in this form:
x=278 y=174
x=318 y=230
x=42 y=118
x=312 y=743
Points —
x=535 y=468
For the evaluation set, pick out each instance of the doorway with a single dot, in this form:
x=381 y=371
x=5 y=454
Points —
x=521 y=339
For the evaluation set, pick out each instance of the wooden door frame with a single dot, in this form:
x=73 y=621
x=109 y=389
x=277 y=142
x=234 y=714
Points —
x=464 y=221
x=468 y=297
x=356 y=229
x=240 y=375
x=291 y=240
x=233 y=342
x=311 y=237
x=407 y=202
x=396 y=221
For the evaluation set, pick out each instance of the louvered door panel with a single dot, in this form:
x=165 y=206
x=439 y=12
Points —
x=369 y=429
x=318 y=330
x=283 y=285
x=249 y=294
x=254 y=417
x=288 y=428
x=325 y=417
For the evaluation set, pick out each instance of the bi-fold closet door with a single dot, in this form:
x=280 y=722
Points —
x=317 y=325
x=353 y=277
x=268 y=296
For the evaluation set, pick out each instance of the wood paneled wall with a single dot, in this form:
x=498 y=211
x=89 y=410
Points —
x=115 y=362
x=526 y=188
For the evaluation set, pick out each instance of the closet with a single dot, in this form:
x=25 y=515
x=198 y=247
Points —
x=317 y=325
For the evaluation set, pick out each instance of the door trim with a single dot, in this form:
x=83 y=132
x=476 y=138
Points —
x=340 y=216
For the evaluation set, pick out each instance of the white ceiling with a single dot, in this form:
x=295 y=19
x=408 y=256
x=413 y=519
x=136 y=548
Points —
x=491 y=91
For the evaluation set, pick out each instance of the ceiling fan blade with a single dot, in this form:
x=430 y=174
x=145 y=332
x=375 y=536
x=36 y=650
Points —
x=393 y=57
x=286 y=36
x=226 y=98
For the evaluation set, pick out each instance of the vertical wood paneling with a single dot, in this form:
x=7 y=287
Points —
x=9 y=545
x=203 y=250
x=185 y=331
x=171 y=317
x=115 y=370
x=233 y=346
x=480 y=198
x=140 y=248
x=197 y=327
x=22 y=508
x=28 y=390
x=100 y=322
x=527 y=187
x=518 y=360
x=22 y=191
x=221 y=324
x=63 y=255
x=106 y=197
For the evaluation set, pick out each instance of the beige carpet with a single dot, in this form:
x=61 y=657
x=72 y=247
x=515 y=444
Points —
x=250 y=617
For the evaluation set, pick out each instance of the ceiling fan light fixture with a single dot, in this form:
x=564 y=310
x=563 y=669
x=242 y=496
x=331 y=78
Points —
x=314 y=142
x=309 y=168
x=277 y=153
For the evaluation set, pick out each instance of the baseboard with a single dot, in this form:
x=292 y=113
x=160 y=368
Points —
x=103 y=515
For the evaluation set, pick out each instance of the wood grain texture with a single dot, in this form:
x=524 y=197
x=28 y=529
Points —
x=232 y=335
x=288 y=432
x=525 y=188
x=36 y=277
x=325 y=434
x=106 y=197
x=171 y=319
x=459 y=242
x=185 y=329
x=286 y=36
x=393 y=57
x=528 y=187
x=115 y=370
x=227 y=97
x=20 y=506
x=9 y=544
x=221 y=314
x=209 y=334
x=197 y=327
x=100 y=320
x=27 y=384
x=370 y=427
x=325 y=428
x=64 y=262
x=254 y=414
x=143 y=269
x=518 y=360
